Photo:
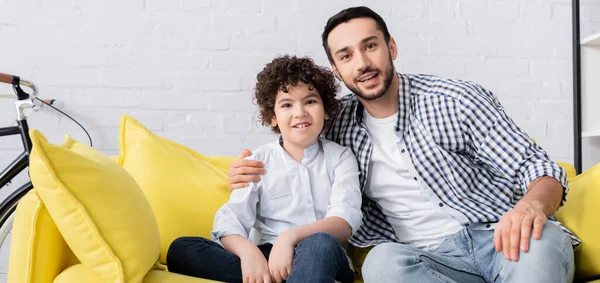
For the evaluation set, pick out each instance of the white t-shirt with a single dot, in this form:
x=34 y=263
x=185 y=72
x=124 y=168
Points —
x=393 y=183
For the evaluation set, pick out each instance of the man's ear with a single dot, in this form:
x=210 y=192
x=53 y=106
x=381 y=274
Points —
x=335 y=72
x=393 y=48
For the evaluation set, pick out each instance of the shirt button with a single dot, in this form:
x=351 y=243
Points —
x=467 y=225
x=309 y=201
x=441 y=204
x=487 y=226
x=403 y=150
x=415 y=178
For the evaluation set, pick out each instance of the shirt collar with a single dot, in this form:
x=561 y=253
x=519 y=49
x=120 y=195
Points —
x=403 y=105
x=309 y=153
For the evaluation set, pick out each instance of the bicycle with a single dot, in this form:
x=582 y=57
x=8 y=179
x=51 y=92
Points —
x=21 y=162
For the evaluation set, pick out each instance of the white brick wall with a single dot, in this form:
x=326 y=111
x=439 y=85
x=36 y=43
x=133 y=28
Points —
x=185 y=68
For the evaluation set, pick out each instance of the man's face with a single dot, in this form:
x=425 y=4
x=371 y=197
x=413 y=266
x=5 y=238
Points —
x=361 y=57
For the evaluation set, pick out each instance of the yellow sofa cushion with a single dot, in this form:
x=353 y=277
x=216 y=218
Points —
x=98 y=208
x=580 y=215
x=80 y=273
x=35 y=234
x=184 y=188
x=569 y=169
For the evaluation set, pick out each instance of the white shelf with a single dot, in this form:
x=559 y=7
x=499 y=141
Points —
x=590 y=84
x=590 y=134
x=592 y=40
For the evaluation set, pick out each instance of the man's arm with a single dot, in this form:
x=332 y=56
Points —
x=505 y=149
x=243 y=171
x=544 y=194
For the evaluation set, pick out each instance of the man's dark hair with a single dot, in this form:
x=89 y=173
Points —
x=285 y=71
x=347 y=15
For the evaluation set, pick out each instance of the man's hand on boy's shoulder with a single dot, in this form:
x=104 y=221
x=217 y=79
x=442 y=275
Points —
x=243 y=171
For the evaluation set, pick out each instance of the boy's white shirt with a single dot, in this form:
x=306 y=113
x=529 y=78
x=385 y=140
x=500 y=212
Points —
x=292 y=193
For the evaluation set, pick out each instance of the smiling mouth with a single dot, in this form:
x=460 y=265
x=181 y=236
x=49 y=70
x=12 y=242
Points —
x=368 y=78
x=301 y=126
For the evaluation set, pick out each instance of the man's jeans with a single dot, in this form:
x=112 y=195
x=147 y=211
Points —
x=318 y=258
x=470 y=256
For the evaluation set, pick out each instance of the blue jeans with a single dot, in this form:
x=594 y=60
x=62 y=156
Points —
x=318 y=258
x=470 y=256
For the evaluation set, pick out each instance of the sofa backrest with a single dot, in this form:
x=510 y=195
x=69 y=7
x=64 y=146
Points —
x=38 y=252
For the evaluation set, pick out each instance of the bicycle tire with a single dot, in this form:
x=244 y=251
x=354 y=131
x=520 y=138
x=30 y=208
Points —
x=8 y=208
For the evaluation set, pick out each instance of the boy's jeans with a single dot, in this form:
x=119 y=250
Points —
x=318 y=258
x=470 y=256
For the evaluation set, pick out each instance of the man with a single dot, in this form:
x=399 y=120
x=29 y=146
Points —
x=453 y=190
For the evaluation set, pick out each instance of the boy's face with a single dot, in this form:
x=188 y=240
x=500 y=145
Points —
x=300 y=115
x=361 y=57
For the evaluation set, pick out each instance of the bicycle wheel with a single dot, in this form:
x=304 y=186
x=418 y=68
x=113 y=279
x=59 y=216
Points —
x=7 y=213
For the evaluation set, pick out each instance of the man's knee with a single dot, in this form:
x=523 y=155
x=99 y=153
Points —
x=550 y=257
x=552 y=236
x=387 y=259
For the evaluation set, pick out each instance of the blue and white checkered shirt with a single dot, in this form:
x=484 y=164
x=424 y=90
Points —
x=474 y=158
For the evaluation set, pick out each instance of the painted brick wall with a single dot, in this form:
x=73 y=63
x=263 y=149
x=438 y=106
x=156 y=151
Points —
x=186 y=68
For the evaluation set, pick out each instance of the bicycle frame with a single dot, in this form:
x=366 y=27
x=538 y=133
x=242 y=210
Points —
x=22 y=161
x=22 y=129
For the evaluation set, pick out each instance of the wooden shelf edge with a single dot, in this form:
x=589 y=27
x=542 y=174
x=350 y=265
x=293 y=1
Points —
x=592 y=40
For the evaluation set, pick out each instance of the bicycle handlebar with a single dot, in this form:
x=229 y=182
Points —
x=6 y=78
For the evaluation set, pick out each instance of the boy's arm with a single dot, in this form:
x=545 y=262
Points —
x=336 y=226
x=344 y=215
x=240 y=246
x=238 y=215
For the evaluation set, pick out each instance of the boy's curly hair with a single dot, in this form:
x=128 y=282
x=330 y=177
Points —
x=288 y=70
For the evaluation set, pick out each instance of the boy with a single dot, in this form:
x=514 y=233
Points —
x=304 y=208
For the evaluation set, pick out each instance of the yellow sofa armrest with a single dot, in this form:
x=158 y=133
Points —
x=80 y=273
x=38 y=252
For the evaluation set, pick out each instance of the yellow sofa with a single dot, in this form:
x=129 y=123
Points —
x=40 y=253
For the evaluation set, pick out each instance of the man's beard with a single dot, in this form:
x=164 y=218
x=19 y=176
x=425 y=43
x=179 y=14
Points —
x=387 y=82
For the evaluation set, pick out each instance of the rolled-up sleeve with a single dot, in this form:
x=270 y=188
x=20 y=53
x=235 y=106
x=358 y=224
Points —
x=346 y=197
x=238 y=215
x=502 y=146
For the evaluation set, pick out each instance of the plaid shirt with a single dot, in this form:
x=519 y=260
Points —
x=472 y=156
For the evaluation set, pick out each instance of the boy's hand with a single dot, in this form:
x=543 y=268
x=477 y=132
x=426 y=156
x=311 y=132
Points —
x=243 y=171
x=282 y=254
x=255 y=268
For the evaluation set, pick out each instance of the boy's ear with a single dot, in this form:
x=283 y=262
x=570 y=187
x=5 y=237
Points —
x=273 y=122
x=335 y=72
